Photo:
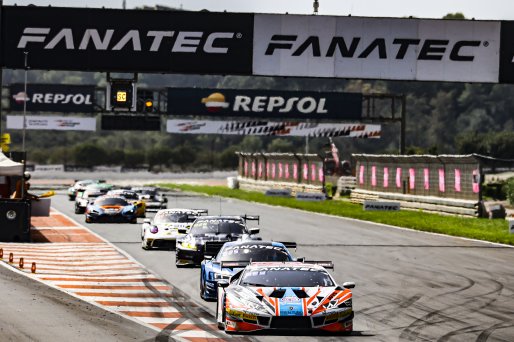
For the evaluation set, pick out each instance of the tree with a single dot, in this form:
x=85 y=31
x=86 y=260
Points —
x=280 y=145
x=89 y=155
x=456 y=15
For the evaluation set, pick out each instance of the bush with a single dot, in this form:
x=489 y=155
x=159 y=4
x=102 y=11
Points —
x=495 y=191
x=509 y=190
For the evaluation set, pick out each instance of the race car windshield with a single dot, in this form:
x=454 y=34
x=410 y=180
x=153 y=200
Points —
x=147 y=192
x=203 y=227
x=254 y=253
x=172 y=218
x=286 y=278
x=130 y=195
x=111 y=201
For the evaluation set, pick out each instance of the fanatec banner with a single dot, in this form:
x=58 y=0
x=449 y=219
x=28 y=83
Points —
x=271 y=128
x=59 y=123
x=85 y=39
x=52 y=98
x=376 y=48
x=127 y=40
x=264 y=103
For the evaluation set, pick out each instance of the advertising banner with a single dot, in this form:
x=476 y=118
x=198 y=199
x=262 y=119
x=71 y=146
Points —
x=59 y=123
x=53 y=98
x=376 y=48
x=265 y=103
x=132 y=41
x=507 y=52
x=273 y=128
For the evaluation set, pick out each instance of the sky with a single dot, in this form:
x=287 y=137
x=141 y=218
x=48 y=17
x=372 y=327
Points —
x=478 y=9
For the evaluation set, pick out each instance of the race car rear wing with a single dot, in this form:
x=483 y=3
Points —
x=234 y=264
x=251 y=218
x=211 y=248
x=326 y=264
x=289 y=245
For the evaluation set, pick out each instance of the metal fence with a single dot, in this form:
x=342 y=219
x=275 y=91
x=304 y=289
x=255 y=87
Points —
x=421 y=175
x=282 y=167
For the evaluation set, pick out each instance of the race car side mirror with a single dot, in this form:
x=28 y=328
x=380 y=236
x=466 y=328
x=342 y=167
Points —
x=223 y=283
x=147 y=220
x=254 y=230
x=349 y=285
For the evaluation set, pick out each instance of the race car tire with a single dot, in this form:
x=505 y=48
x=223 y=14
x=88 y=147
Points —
x=177 y=264
x=221 y=326
x=78 y=211
x=134 y=220
x=144 y=245
x=88 y=220
x=202 y=286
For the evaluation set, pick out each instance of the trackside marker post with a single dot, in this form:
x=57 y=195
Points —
x=11 y=258
x=33 y=268
x=21 y=263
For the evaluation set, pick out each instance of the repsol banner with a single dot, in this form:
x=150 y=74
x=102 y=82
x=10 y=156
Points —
x=376 y=48
x=264 y=103
x=127 y=40
x=52 y=98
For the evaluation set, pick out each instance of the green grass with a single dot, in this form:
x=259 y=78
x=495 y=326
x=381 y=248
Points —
x=475 y=228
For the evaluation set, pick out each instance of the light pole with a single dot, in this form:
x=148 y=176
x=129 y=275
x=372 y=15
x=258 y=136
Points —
x=25 y=102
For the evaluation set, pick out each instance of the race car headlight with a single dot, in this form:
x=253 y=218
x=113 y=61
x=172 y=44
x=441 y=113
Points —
x=241 y=315
x=154 y=230
x=189 y=245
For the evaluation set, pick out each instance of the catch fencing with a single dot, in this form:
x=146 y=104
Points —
x=298 y=172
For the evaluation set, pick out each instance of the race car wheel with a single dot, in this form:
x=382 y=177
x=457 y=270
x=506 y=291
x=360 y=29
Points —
x=221 y=326
x=88 y=220
x=202 y=286
x=144 y=245
x=134 y=220
x=177 y=263
x=77 y=210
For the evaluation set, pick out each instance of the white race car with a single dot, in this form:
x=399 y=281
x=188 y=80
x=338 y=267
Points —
x=163 y=230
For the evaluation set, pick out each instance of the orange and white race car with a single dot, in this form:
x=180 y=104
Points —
x=284 y=296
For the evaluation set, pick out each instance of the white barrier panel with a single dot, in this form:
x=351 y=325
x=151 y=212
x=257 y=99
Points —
x=49 y=168
x=59 y=123
x=356 y=130
x=309 y=196
x=278 y=192
x=383 y=206
x=107 y=169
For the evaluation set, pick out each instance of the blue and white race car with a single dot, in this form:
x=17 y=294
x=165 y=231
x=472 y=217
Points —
x=284 y=296
x=233 y=257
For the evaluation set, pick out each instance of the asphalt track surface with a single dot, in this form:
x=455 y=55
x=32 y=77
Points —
x=410 y=286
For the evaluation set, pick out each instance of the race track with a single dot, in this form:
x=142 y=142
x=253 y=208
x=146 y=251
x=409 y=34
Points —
x=411 y=286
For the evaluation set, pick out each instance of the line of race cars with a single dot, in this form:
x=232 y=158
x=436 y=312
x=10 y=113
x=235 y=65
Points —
x=257 y=285
x=102 y=202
